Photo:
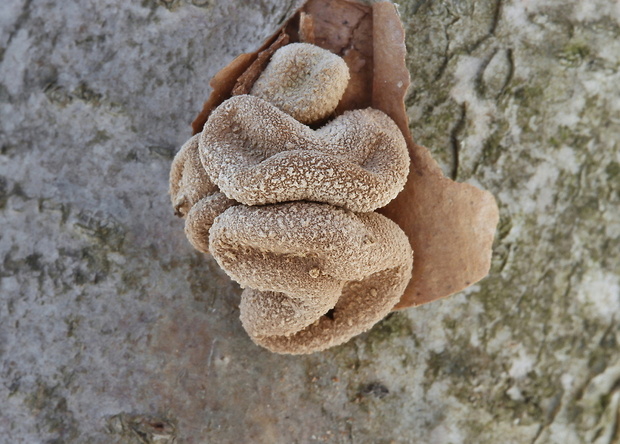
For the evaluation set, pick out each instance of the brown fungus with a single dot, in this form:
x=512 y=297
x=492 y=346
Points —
x=299 y=259
x=257 y=155
x=450 y=225
x=302 y=260
x=304 y=81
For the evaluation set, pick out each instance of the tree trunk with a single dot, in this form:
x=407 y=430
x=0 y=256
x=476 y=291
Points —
x=114 y=330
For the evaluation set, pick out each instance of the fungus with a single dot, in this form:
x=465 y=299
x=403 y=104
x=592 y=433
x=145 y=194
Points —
x=304 y=81
x=194 y=196
x=300 y=255
x=316 y=273
x=188 y=179
x=302 y=260
x=257 y=155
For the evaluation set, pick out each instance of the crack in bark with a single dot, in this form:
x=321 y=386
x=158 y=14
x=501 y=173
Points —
x=511 y=71
x=456 y=143
x=538 y=433
x=446 y=52
x=495 y=19
x=497 y=13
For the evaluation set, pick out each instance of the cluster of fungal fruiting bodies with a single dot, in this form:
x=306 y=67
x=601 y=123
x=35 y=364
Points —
x=288 y=211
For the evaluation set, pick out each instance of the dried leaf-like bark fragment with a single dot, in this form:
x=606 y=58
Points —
x=450 y=225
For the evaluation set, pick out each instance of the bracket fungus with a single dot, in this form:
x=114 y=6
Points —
x=304 y=81
x=297 y=146
x=257 y=154
x=194 y=196
x=302 y=260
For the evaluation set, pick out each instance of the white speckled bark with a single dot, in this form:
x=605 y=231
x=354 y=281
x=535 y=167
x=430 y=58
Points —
x=114 y=330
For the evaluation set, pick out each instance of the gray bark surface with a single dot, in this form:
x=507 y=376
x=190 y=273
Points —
x=114 y=330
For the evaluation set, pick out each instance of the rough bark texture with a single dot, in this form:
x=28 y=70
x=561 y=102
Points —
x=114 y=330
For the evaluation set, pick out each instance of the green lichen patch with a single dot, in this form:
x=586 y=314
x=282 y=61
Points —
x=106 y=230
x=395 y=325
x=96 y=262
x=58 y=95
x=87 y=94
x=143 y=429
x=54 y=419
x=72 y=322
x=574 y=54
x=8 y=149
x=464 y=363
x=374 y=389
x=613 y=173
x=165 y=152
x=31 y=264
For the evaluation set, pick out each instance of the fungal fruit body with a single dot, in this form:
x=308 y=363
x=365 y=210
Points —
x=304 y=81
x=287 y=210
x=257 y=155
x=194 y=196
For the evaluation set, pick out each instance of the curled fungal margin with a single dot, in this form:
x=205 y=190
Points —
x=304 y=81
x=257 y=155
x=353 y=266
x=189 y=181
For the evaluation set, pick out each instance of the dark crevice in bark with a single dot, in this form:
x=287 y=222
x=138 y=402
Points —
x=456 y=143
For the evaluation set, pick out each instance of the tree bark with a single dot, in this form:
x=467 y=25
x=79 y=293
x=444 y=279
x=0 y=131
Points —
x=114 y=330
